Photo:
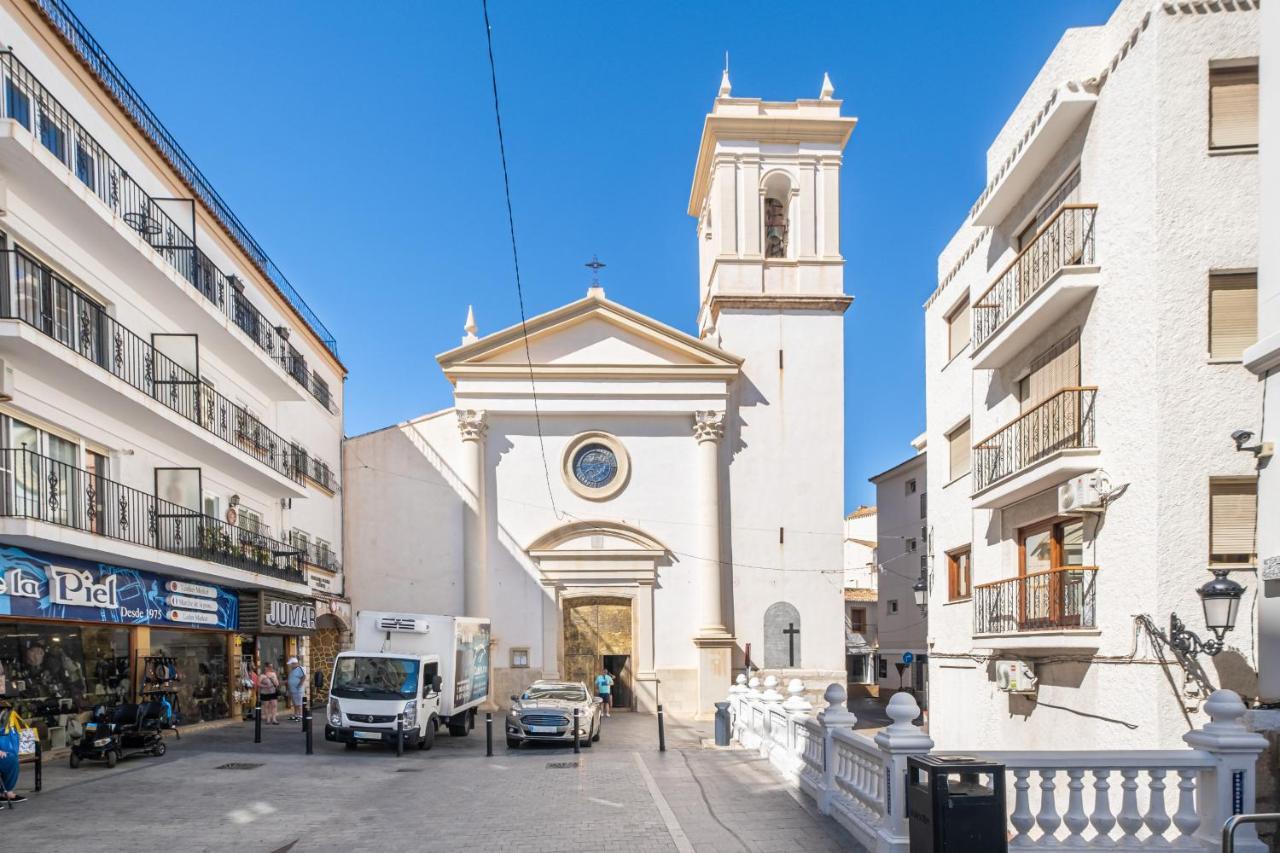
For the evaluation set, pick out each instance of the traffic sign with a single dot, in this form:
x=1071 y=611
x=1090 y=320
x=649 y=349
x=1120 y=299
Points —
x=907 y=657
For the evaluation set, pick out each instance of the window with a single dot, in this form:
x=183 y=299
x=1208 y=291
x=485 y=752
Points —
x=519 y=658
x=893 y=605
x=1051 y=545
x=17 y=105
x=53 y=136
x=959 y=574
x=911 y=546
x=924 y=564
x=249 y=520
x=1233 y=107
x=958 y=329
x=212 y=506
x=858 y=620
x=1054 y=370
x=958 y=446
x=86 y=166
x=882 y=666
x=924 y=504
x=1233 y=516
x=911 y=486
x=1233 y=314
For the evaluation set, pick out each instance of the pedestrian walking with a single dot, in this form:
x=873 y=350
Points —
x=604 y=689
x=297 y=681
x=268 y=693
x=10 y=743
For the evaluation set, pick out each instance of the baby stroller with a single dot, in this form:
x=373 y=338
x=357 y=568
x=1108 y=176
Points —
x=97 y=739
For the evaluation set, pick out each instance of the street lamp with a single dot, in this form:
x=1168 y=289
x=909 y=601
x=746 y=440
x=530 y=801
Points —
x=1221 y=600
x=921 y=590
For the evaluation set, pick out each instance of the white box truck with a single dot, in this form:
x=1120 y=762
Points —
x=409 y=672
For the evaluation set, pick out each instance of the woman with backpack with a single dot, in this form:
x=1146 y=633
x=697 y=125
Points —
x=10 y=739
x=269 y=693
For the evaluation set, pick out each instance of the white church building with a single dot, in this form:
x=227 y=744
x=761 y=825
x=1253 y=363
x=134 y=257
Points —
x=616 y=493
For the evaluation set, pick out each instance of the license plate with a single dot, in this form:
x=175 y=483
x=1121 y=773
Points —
x=542 y=730
x=369 y=735
x=90 y=727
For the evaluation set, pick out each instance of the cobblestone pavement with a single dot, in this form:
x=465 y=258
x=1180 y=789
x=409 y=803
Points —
x=620 y=795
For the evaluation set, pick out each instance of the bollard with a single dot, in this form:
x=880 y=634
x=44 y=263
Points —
x=488 y=734
x=306 y=724
x=257 y=723
x=577 y=745
x=662 y=732
x=722 y=723
x=399 y=735
x=303 y=715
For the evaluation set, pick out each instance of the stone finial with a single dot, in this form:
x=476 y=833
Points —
x=828 y=91
x=754 y=685
x=902 y=709
x=725 y=88
x=739 y=686
x=796 y=701
x=771 y=693
x=469 y=327
x=1225 y=731
x=836 y=713
x=903 y=737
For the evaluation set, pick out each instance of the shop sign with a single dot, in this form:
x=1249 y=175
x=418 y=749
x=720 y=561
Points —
x=49 y=586
x=287 y=615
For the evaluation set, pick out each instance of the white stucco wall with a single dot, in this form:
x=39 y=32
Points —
x=900 y=520
x=1168 y=214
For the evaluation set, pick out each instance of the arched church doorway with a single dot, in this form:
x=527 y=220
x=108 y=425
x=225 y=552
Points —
x=597 y=635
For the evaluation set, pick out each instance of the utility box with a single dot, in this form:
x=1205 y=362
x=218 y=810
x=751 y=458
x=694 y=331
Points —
x=955 y=804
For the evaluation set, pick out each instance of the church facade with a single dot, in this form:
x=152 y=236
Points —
x=617 y=494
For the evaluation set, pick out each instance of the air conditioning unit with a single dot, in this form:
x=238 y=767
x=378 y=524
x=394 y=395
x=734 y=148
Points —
x=403 y=625
x=1015 y=676
x=1082 y=494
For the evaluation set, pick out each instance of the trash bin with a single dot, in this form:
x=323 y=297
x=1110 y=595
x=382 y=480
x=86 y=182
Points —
x=955 y=804
x=722 y=724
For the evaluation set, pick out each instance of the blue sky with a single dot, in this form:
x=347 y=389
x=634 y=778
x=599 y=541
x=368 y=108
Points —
x=359 y=148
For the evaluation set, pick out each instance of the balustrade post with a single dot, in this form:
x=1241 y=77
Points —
x=737 y=692
x=796 y=707
x=835 y=716
x=770 y=697
x=1230 y=786
x=898 y=742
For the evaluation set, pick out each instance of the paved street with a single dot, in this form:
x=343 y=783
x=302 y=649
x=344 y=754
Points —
x=620 y=795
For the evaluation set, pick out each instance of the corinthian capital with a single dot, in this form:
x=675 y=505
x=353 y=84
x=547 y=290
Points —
x=708 y=426
x=472 y=423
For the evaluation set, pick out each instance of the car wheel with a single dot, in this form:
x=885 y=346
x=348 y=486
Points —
x=159 y=750
x=513 y=743
x=112 y=758
x=586 y=744
x=75 y=761
x=350 y=746
x=596 y=737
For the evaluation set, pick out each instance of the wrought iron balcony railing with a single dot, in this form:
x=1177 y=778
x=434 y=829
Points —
x=43 y=489
x=1064 y=421
x=27 y=102
x=316 y=553
x=45 y=302
x=1053 y=600
x=96 y=59
x=1065 y=240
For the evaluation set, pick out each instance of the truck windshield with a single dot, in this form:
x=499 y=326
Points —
x=375 y=678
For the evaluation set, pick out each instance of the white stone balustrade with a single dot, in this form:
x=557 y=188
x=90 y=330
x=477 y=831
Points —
x=1174 y=799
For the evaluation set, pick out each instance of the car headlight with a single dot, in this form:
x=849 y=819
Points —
x=411 y=712
x=335 y=712
x=515 y=712
x=102 y=741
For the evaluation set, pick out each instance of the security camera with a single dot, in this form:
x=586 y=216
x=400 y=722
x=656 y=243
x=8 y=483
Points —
x=1262 y=450
x=1240 y=436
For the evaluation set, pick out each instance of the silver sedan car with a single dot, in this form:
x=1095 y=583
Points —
x=544 y=712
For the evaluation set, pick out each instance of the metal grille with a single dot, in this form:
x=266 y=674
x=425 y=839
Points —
x=372 y=718
x=544 y=720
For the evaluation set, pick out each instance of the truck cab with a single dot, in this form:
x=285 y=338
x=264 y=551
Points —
x=375 y=695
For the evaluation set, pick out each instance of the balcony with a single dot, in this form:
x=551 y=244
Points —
x=74 y=329
x=83 y=163
x=1042 y=447
x=83 y=508
x=1043 y=611
x=1053 y=273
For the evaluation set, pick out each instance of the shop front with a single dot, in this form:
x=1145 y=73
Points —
x=274 y=628
x=75 y=634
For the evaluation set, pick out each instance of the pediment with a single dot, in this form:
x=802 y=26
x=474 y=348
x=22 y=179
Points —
x=602 y=537
x=592 y=334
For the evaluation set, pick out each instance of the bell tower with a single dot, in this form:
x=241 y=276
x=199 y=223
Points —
x=766 y=195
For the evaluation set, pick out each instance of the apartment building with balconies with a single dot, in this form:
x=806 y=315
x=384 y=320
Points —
x=1084 y=378
x=170 y=407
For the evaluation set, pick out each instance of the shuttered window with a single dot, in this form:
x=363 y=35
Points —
x=1053 y=370
x=1233 y=313
x=957 y=330
x=1233 y=107
x=1233 y=514
x=958 y=441
x=959 y=575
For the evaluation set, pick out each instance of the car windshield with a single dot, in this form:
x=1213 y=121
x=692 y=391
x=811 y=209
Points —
x=562 y=692
x=375 y=678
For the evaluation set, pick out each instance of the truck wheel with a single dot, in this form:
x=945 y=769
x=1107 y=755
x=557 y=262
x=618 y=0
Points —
x=428 y=738
x=458 y=729
x=513 y=743
x=111 y=759
x=75 y=761
x=471 y=720
x=350 y=746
